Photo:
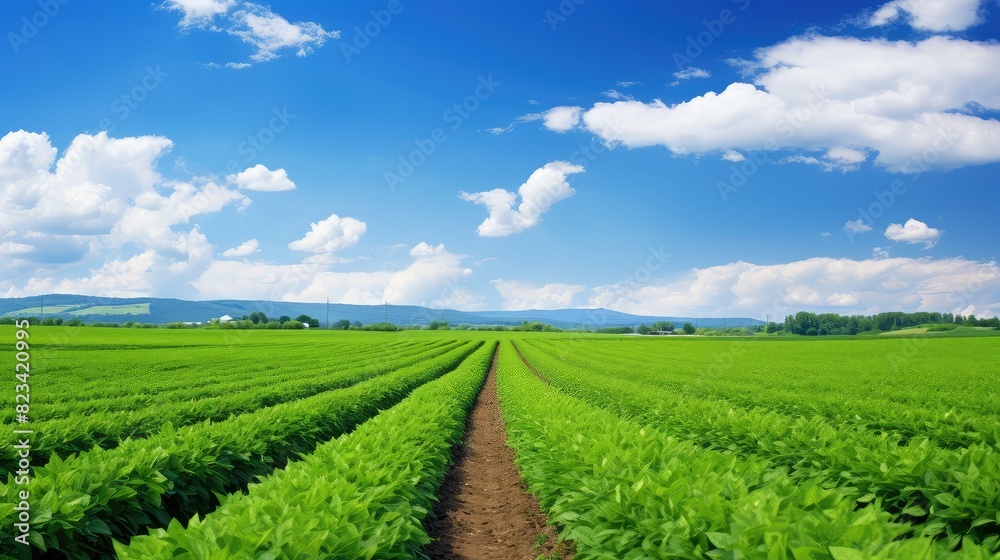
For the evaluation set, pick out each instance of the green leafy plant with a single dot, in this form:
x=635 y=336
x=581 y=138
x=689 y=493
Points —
x=623 y=489
x=87 y=500
x=949 y=493
x=363 y=495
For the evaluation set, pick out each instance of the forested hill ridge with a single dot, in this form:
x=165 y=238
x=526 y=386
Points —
x=91 y=309
x=163 y=310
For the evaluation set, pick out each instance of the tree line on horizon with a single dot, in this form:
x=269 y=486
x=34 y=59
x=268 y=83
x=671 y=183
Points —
x=813 y=324
x=803 y=323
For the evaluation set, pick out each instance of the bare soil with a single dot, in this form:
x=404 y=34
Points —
x=485 y=512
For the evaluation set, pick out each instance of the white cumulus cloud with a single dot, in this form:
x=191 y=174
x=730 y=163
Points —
x=98 y=204
x=88 y=190
x=256 y=25
x=100 y=219
x=331 y=235
x=270 y=33
x=260 y=178
x=743 y=289
x=733 y=156
x=150 y=222
x=831 y=101
x=880 y=253
x=929 y=15
x=198 y=13
x=838 y=299
x=543 y=189
x=245 y=249
x=149 y=272
x=914 y=231
x=433 y=279
x=521 y=295
x=561 y=119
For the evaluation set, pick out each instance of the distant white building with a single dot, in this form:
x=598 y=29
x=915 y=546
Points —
x=224 y=319
x=305 y=325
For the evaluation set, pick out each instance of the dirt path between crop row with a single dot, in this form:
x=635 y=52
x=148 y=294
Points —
x=485 y=513
x=529 y=366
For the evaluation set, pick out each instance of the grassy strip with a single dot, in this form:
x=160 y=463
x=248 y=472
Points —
x=363 y=495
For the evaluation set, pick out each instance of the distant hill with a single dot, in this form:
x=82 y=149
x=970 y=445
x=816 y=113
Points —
x=164 y=310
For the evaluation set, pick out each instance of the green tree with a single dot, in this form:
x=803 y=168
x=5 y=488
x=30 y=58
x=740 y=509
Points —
x=307 y=320
x=356 y=325
x=663 y=326
x=258 y=317
x=534 y=326
x=643 y=329
x=437 y=326
x=688 y=328
x=388 y=327
x=284 y=319
x=615 y=330
x=342 y=325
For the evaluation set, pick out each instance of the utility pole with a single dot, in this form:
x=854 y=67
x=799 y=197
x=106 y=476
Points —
x=43 y=308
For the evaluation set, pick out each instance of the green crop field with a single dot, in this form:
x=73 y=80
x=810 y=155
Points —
x=946 y=330
x=198 y=443
x=130 y=309
x=36 y=311
x=125 y=309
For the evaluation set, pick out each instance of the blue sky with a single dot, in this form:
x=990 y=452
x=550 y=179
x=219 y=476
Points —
x=723 y=158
